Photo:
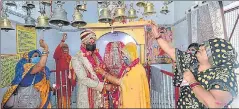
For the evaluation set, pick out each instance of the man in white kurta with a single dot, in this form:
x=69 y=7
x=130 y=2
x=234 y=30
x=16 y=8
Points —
x=89 y=88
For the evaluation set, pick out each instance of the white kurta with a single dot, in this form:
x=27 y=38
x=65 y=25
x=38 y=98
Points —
x=81 y=65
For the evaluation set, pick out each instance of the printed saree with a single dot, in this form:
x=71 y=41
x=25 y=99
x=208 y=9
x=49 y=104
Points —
x=221 y=76
x=23 y=78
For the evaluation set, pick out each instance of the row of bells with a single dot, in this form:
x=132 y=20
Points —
x=5 y=23
x=105 y=15
x=148 y=7
x=59 y=18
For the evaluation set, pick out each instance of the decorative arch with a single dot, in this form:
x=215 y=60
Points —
x=134 y=29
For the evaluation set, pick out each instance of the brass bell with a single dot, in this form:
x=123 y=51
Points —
x=42 y=22
x=59 y=16
x=30 y=4
x=5 y=24
x=77 y=19
x=140 y=4
x=164 y=9
x=46 y=2
x=120 y=14
x=149 y=9
x=132 y=13
x=29 y=22
x=105 y=16
x=10 y=3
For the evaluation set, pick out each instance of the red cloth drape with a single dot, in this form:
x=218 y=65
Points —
x=62 y=65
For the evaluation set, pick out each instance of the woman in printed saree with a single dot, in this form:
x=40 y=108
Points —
x=132 y=82
x=209 y=72
x=31 y=86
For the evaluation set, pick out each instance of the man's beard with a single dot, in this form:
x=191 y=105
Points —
x=90 y=47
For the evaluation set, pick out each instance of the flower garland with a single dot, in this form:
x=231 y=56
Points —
x=93 y=61
x=94 y=64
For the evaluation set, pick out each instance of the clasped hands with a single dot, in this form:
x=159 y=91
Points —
x=99 y=70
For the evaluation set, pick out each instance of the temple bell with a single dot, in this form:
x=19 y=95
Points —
x=59 y=16
x=77 y=19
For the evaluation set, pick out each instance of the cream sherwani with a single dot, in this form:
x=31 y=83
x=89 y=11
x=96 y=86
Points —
x=81 y=65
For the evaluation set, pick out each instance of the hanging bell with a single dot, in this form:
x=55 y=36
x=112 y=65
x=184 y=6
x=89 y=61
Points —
x=10 y=3
x=30 y=4
x=120 y=14
x=149 y=9
x=77 y=19
x=105 y=16
x=132 y=13
x=46 y=3
x=59 y=16
x=140 y=4
x=5 y=24
x=29 y=22
x=42 y=22
x=164 y=9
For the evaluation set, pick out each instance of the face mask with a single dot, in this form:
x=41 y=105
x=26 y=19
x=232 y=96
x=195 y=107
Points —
x=126 y=60
x=35 y=60
x=90 y=47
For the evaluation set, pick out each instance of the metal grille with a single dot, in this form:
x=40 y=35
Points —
x=162 y=89
x=230 y=19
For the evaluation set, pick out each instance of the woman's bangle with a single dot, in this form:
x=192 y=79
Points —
x=194 y=85
x=45 y=52
x=62 y=41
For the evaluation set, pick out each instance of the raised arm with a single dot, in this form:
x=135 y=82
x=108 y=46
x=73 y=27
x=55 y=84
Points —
x=58 y=50
x=82 y=75
x=42 y=63
x=157 y=34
